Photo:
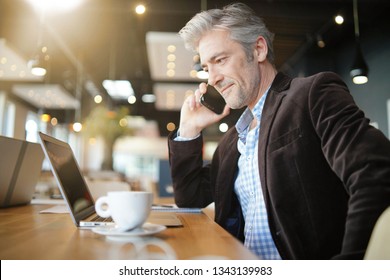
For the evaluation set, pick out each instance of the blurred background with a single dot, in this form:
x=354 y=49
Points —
x=112 y=74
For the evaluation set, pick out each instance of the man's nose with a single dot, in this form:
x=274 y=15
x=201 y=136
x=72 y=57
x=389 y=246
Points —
x=214 y=77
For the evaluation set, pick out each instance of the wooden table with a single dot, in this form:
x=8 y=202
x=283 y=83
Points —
x=27 y=234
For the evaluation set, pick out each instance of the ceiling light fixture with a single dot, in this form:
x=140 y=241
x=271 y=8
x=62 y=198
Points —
x=55 y=5
x=77 y=127
x=359 y=70
x=98 y=99
x=203 y=75
x=38 y=64
x=339 y=19
x=140 y=9
x=148 y=98
x=320 y=42
x=118 y=89
x=200 y=73
x=132 y=99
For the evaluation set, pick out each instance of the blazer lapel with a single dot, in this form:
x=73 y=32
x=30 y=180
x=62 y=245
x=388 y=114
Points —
x=272 y=103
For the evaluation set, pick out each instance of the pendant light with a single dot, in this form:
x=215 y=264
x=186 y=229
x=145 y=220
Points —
x=359 y=70
x=39 y=62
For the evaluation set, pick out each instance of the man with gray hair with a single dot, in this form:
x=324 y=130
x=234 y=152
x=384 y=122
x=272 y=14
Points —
x=302 y=175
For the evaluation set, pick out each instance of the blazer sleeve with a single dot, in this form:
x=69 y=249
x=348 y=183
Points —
x=357 y=152
x=190 y=177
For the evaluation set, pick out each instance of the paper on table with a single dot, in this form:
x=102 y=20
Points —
x=158 y=208
x=48 y=201
x=174 y=208
x=58 y=209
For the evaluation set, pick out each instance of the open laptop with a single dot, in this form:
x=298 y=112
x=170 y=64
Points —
x=74 y=188
x=20 y=169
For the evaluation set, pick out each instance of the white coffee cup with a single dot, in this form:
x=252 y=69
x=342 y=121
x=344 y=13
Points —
x=128 y=209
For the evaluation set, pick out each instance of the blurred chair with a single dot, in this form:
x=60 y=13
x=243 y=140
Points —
x=105 y=175
x=165 y=187
x=379 y=244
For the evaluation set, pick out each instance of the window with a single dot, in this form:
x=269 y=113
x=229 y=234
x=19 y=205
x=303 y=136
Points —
x=388 y=117
x=8 y=123
x=31 y=127
x=2 y=105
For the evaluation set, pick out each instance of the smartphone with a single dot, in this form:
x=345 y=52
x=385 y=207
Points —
x=213 y=100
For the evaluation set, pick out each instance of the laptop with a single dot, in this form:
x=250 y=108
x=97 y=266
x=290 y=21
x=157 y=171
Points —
x=20 y=169
x=74 y=188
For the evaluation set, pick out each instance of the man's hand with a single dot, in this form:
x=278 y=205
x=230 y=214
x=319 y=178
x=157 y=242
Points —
x=194 y=117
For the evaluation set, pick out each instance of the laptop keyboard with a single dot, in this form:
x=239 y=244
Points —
x=101 y=219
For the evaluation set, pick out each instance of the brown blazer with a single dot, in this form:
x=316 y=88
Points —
x=325 y=172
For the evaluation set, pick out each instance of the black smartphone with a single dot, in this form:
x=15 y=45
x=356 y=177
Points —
x=213 y=100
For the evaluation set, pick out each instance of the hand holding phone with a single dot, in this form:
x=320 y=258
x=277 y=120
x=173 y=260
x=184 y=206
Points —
x=213 y=100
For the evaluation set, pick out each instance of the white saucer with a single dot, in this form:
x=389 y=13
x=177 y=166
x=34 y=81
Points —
x=145 y=230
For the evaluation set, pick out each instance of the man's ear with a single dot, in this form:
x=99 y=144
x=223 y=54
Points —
x=261 y=49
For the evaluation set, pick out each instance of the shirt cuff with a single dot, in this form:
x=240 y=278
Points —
x=180 y=138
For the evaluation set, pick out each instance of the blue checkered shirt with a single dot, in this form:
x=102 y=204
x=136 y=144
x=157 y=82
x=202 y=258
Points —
x=248 y=186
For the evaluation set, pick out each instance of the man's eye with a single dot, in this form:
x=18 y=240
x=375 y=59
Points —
x=220 y=60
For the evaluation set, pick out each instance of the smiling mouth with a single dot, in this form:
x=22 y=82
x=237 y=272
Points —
x=226 y=89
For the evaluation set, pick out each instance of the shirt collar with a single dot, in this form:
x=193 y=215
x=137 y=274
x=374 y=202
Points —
x=247 y=116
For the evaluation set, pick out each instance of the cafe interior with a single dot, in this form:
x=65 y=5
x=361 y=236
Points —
x=109 y=78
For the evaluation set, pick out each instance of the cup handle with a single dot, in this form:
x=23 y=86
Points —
x=102 y=211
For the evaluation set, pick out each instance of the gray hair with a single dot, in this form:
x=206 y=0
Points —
x=240 y=20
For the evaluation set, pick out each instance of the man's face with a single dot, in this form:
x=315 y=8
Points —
x=235 y=76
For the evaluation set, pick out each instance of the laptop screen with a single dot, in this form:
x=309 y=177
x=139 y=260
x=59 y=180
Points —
x=68 y=173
